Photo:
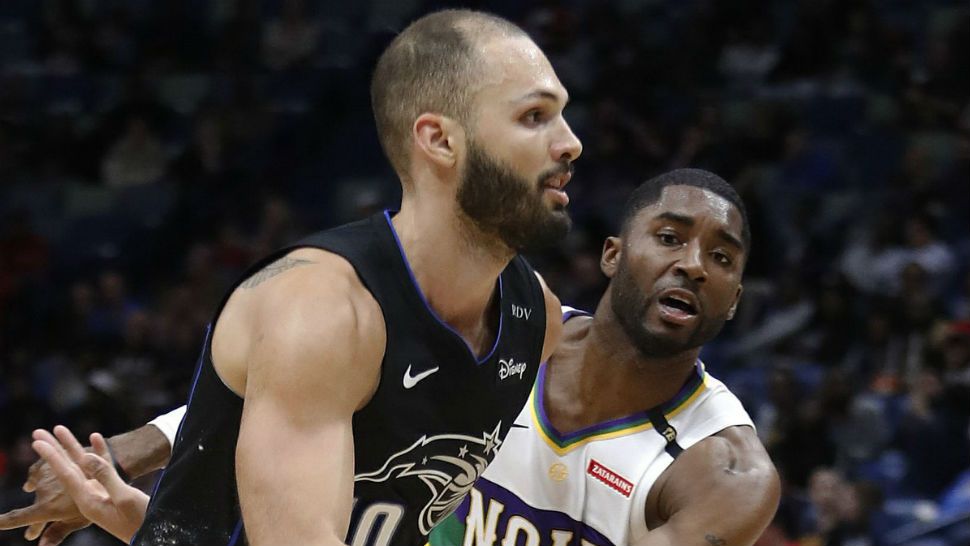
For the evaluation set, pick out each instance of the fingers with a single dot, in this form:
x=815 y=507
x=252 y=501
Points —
x=34 y=531
x=66 y=470
x=103 y=471
x=56 y=532
x=21 y=517
x=70 y=444
x=33 y=476
x=100 y=446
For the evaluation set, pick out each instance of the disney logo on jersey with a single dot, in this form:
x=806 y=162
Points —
x=508 y=368
x=448 y=464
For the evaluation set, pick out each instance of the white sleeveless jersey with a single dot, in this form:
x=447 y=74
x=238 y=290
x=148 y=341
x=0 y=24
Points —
x=588 y=487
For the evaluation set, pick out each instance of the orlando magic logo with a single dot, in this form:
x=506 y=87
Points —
x=448 y=464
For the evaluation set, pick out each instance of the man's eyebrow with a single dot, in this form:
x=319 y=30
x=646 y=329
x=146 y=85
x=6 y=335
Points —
x=730 y=239
x=688 y=221
x=543 y=94
x=675 y=217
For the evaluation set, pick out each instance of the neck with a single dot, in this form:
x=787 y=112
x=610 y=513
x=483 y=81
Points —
x=455 y=271
x=611 y=363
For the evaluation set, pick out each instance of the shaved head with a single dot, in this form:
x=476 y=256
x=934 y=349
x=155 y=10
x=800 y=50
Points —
x=432 y=66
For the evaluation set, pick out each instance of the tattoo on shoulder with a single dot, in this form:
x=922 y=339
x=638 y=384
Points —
x=273 y=269
x=715 y=540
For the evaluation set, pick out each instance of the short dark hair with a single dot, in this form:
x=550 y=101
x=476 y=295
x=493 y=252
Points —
x=649 y=192
x=429 y=67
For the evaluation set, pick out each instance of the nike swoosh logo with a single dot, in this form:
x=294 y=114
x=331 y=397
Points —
x=412 y=380
x=516 y=425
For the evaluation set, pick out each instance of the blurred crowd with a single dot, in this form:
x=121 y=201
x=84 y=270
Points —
x=150 y=151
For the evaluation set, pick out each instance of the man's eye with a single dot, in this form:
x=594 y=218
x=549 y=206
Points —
x=722 y=258
x=532 y=117
x=668 y=239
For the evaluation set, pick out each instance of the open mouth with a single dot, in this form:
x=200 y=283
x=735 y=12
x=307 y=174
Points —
x=680 y=304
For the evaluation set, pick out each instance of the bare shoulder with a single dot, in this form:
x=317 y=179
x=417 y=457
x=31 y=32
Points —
x=730 y=468
x=306 y=308
x=737 y=450
x=732 y=462
x=304 y=284
x=553 y=319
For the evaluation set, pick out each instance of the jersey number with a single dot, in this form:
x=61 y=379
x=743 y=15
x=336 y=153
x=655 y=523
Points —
x=379 y=520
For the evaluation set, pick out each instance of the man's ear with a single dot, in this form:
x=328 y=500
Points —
x=439 y=138
x=610 y=258
x=734 y=306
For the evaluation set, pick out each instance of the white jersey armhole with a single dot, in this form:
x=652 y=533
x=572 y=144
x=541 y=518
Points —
x=169 y=423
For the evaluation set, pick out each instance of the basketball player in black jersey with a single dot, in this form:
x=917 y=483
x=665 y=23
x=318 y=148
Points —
x=370 y=363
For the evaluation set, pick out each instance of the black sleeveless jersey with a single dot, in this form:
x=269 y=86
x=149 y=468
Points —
x=438 y=417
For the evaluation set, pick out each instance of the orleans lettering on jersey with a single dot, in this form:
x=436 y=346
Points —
x=510 y=521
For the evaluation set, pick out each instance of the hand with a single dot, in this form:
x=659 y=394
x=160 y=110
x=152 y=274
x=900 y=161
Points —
x=92 y=482
x=52 y=508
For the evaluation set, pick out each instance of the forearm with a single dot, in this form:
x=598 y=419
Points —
x=140 y=451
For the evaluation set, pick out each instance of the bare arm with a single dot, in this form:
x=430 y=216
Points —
x=553 y=320
x=140 y=451
x=723 y=491
x=314 y=358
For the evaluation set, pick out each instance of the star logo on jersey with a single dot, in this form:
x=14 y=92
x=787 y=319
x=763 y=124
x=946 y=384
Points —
x=448 y=464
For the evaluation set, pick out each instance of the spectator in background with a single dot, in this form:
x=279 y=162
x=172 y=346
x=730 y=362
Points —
x=960 y=303
x=918 y=311
x=856 y=421
x=789 y=313
x=205 y=161
x=291 y=38
x=797 y=434
x=881 y=267
x=841 y=512
x=932 y=435
x=113 y=307
x=926 y=249
x=832 y=329
x=26 y=252
x=113 y=41
x=276 y=227
x=826 y=491
x=875 y=356
x=777 y=414
x=75 y=325
x=24 y=257
x=954 y=356
x=136 y=158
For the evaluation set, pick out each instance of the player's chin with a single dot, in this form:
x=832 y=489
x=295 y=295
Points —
x=558 y=222
x=669 y=334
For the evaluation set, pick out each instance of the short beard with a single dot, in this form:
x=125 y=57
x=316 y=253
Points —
x=629 y=304
x=508 y=207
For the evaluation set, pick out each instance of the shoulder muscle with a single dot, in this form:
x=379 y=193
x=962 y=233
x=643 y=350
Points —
x=730 y=468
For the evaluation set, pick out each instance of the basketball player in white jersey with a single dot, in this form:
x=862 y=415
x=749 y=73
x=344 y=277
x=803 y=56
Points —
x=626 y=439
